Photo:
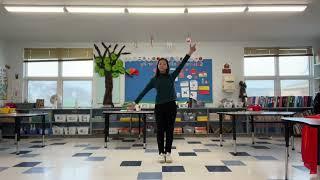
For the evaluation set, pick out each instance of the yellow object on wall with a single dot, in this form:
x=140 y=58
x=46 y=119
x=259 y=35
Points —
x=203 y=88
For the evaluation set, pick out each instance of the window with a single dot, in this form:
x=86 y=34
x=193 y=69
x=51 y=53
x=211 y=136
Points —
x=277 y=71
x=260 y=87
x=65 y=72
x=257 y=66
x=294 y=87
x=42 y=69
x=77 y=92
x=294 y=66
x=77 y=68
x=41 y=90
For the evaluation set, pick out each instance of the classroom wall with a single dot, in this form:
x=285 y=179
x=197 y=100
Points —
x=220 y=52
x=2 y=60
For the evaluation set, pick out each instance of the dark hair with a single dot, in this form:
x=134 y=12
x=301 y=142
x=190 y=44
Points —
x=158 y=71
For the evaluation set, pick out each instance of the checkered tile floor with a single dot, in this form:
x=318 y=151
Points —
x=193 y=158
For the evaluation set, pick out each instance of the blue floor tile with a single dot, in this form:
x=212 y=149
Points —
x=95 y=158
x=187 y=154
x=194 y=142
x=37 y=146
x=22 y=152
x=82 y=155
x=130 y=163
x=57 y=144
x=29 y=155
x=218 y=169
x=149 y=176
x=233 y=163
x=37 y=170
x=201 y=150
x=151 y=151
x=240 y=154
x=137 y=145
x=212 y=145
x=122 y=148
x=82 y=145
x=265 y=158
x=173 y=169
x=27 y=164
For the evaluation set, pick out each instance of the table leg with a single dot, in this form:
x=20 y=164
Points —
x=287 y=132
x=17 y=133
x=43 y=119
x=252 y=129
x=144 y=131
x=234 y=134
x=106 y=129
x=292 y=137
x=220 y=127
x=139 y=125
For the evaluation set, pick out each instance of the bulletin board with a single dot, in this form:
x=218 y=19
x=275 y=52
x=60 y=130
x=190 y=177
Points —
x=195 y=80
x=3 y=83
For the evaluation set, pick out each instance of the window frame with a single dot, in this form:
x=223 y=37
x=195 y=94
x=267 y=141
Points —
x=277 y=78
x=59 y=80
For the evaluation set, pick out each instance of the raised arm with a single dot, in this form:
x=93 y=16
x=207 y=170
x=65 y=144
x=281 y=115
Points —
x=146 y=89
x=176 y=72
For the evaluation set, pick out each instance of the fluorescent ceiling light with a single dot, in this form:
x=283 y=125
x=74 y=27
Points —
x=277 y=8
x=157 y=10
x=35 y=9
x=95 y=9
x=217 y=9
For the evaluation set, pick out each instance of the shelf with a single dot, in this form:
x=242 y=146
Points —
x=68 y=135
x=35 y=122
x=70 y=122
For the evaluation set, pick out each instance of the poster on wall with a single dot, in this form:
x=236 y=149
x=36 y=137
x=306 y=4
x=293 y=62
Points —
x=3 y=83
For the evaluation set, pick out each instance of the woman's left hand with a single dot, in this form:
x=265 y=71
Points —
x=192 y=49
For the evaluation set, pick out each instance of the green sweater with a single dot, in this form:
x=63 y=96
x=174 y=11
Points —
x=164 y=85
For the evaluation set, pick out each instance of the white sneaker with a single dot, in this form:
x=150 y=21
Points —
x=162 y=158
x=168 y=158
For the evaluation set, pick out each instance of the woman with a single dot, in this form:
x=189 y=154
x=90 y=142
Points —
x=165 y=108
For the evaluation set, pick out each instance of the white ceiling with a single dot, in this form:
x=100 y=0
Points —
x=128 y=27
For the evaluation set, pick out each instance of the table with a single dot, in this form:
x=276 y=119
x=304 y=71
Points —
x=251 y=114
x=140 y=113
x=288 y=125
x=18 y=117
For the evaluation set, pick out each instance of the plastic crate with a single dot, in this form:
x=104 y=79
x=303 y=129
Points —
x=60 y=118
x=56 y=130
x=113 y=131
x=189 y=116
x=83 y=130
x=200 y=130
x=124 y=130
x=72 y=130
x=72 y=118
x=202 y=118
x=66 y=130
x=84 y=117
x=188 y=130
x=177 y=130
x=213 y=117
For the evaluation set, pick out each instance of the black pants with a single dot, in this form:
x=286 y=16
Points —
x=165 y=118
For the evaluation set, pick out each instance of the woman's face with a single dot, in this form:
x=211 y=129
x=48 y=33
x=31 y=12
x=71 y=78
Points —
x=162 y=66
